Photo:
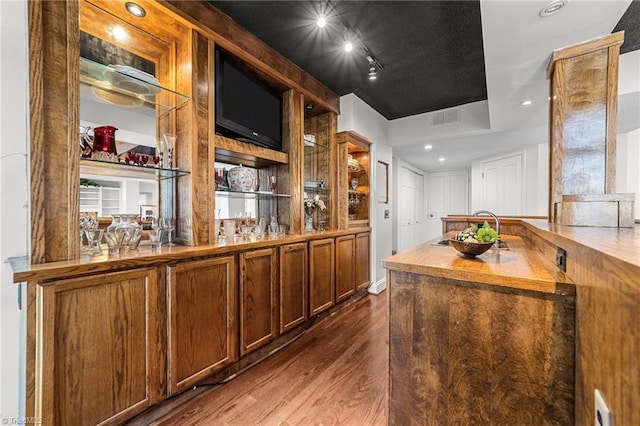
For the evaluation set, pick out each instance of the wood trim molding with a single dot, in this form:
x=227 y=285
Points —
x=241 y=43
x=604 y=42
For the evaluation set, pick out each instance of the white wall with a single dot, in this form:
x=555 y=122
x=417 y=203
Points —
x=359 y=117
x=627 y=170
x=14 y=115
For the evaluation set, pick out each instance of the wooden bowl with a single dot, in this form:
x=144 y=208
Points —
x=469 y=249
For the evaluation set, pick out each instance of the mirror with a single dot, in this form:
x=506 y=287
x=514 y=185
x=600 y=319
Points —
x=382 y=182
x=117 y=191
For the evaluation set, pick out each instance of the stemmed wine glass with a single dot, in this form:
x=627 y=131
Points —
x=170 y=144
x=168 y=224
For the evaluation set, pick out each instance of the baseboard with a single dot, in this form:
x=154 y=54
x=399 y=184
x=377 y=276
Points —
x=378 y=287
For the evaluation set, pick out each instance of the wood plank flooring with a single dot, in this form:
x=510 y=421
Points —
x=334 y=374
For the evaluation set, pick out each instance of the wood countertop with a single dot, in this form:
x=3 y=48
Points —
x=520 y=267
x=621 y=244
x=143 y=256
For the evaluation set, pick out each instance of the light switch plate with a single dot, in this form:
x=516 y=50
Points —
x=602 y=413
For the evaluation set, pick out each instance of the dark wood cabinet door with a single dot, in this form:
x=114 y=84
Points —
x=345 y=270
x=258 y=299
x=321 y=275
x=202 y=320
x=293 y=285
x=362 y=260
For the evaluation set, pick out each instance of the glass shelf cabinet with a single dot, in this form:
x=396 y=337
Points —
x=354 y=175
x=135 y=92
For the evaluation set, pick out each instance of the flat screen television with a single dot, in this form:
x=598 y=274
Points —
x=246 y=110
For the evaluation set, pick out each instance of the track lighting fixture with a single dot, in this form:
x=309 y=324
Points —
x=353 y=37
x=373 y=73
x=374 y=66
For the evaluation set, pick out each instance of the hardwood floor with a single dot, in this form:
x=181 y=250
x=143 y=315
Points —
x=334 y=374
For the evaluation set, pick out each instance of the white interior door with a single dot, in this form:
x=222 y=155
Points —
x=418 y=208
x=447 y=193
x=410 y=208
x=406 y=209
x=502 y=185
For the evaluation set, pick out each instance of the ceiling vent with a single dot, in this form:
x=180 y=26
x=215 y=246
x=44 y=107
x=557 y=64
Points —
x=445 y=116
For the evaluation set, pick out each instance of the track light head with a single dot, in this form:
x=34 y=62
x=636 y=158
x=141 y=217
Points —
x=373 y=73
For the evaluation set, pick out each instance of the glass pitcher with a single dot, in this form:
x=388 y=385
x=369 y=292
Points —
x=104 y=139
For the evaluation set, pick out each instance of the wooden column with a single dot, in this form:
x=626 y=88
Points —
x=582 y=134
x=54 y=52
x=200 y=191
x=291 y=175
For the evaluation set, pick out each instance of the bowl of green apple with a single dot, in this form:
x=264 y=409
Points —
x=474 y=240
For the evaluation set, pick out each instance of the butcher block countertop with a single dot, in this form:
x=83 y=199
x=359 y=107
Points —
x=520 y=267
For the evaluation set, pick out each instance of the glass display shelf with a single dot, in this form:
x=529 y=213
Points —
x=316 y=188
x=126 y=90
x=356 y=168
x=240 y=194
x=311 y=148
x=110 y=168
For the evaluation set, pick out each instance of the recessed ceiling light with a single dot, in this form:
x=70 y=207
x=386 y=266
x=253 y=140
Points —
x=553 y=7
x=441 y=159
x=321 y=22
x=428 y=147
x=526 y=103
x=135 y=9
x=373 y=73
x=348 y=46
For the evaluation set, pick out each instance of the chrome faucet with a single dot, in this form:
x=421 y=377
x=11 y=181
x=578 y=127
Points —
x=496 y=244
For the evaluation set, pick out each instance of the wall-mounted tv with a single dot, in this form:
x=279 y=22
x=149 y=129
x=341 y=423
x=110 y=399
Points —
x=246 y=109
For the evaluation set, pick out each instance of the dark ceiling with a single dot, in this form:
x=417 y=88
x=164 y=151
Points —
x=431 y=51
x=630 y=23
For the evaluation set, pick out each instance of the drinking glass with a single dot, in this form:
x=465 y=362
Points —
x=229 y=229
x=83 y=228
x=94 y=236
x=155 y=222
x=273 y=225
x=245 y=231
x=170 y=144
x=168 y=225
x=219 y=173
x=216 y=229
x=155 y=237
x=282 y=229
x=261 y=227
x=159 y=156
x=272 y=183
x=114 y=241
